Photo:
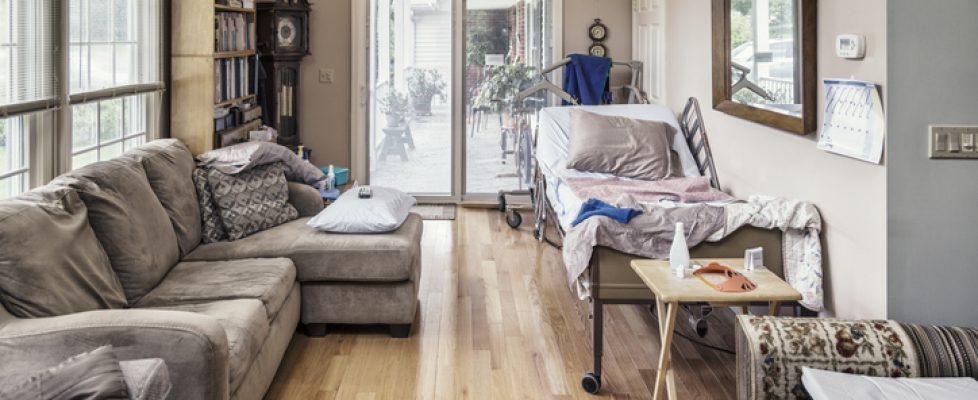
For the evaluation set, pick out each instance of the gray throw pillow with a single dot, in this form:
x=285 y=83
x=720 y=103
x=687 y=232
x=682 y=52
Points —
x=253 y=200
x=622 y=146
x=212 y=229
x=92 y=375
x=51 y=262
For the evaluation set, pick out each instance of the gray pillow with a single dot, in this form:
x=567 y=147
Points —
x=211 y=227
x=253 y=200
x=92 y=375
x=51 y=262
x=622 y=146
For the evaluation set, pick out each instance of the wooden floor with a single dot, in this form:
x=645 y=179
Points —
x=498 y=321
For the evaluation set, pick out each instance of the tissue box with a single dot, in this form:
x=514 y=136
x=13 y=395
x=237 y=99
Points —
x=342 y=174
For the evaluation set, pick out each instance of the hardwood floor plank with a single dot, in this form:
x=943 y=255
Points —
x=498 y=321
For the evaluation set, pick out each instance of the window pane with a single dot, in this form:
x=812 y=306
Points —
x=111 y=151
x=27 y=56
x=5 y=72
x=101 y=66
x=13 y=186
x=134 y=142
x=78 y=68
x=13 y=145
x=118 y=43
x=125 y=64
x=99 y=20
x=4 y=21
x=83 y=159
x=74 y=15
x=110 y=120
x=122 y=20
x=83 y=126
x=135 y=116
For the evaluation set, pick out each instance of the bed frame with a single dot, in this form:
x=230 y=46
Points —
x=612 y=280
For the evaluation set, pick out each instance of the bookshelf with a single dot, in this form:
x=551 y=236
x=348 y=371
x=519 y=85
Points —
x=213 y=64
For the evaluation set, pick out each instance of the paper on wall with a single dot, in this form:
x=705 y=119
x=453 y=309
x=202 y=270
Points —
x=854 y=124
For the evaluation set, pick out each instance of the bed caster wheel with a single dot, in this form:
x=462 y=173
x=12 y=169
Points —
x=591 y=383
x=514 y=220
x=501 y=200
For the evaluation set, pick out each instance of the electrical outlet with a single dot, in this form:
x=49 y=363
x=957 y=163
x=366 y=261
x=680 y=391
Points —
x=326 y=75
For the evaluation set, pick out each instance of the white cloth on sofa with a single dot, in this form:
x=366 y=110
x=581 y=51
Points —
x=827 y=385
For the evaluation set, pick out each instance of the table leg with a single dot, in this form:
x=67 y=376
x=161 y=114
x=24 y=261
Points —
x=773 y=308
x=667 y=325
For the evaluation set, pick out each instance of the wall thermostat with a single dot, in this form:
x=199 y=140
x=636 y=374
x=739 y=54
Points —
x=850 y=46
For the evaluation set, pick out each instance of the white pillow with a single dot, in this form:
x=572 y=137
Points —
x=385 y=211
x=824 y=385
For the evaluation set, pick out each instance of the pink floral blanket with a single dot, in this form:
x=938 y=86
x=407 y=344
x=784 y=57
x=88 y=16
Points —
x=684 y=190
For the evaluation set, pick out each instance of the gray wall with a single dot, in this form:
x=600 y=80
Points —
x=932 y=210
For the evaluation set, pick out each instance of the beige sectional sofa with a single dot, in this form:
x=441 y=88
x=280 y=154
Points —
x=221 y=315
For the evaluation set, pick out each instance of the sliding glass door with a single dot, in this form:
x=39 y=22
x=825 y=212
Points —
x=441 y=124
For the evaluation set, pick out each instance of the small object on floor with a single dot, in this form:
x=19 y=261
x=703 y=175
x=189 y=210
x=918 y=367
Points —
x=365 y=192
x=435 y=212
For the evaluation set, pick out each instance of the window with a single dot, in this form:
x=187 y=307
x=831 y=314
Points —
x=114 y=51
x=27 y=84
x=13 y=157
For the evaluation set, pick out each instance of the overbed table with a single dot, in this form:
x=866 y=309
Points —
x=671 y=291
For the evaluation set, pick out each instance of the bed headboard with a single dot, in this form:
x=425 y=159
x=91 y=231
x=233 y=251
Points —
x=691 y=122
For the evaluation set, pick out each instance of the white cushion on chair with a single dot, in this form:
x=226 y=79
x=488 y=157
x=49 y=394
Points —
x=825 y=385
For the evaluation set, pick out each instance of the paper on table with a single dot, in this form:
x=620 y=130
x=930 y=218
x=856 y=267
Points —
x=854 y=123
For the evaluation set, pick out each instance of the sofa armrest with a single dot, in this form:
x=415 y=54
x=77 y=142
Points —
x=305 y=199
x=194 y=347
x=771 y=352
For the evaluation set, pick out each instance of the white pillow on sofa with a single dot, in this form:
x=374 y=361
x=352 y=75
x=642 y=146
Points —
x=385 y=211
x=823 y=385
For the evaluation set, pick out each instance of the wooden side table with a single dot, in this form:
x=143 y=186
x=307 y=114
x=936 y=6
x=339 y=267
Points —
x=671 y=291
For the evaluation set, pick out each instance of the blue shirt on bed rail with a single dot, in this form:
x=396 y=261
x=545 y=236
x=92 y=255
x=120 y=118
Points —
x=595 y=207
x=586 y=79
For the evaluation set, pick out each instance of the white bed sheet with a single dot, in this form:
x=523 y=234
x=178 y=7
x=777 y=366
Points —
x=553 y=144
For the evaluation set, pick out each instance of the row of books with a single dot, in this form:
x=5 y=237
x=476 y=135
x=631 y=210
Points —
x=237 y=3
x=232 y=78
x=234 y=31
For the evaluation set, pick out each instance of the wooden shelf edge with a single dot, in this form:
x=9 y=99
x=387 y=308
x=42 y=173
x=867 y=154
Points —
x=233 y=54
x=234 y=100
x=221 y=7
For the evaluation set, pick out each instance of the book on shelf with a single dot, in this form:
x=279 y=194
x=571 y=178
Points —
x=232 y=78
x=234 y=31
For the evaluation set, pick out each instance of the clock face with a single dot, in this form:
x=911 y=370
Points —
x=598 y=31
x=598 y=50
x=288 y=32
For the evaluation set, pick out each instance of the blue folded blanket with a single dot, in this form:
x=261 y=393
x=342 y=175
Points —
x=586 y=79
x=595 y=207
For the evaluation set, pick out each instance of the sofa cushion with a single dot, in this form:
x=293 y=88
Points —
x=169 y=167
x=212 y=229
x=265 y=279
x=320 y=256
x=246 y=326
x=128 y=220
x=253 y=200
x=50 y=260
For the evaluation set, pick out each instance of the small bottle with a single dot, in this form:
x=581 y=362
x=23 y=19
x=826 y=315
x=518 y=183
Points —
x=331 y=178
x=679 y=253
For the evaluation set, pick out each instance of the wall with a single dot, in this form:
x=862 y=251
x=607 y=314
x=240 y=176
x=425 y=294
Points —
x=753 y=159
x=616 y=14
x=324 y=120
x=932 y=250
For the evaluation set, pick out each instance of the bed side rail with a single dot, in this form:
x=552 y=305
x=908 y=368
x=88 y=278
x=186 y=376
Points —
x=691 y=122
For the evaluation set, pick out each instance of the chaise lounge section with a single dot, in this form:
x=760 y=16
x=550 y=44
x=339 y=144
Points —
x=112 y=254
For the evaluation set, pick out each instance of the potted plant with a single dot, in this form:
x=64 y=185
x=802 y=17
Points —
x=394 y=107
x=423 y=86
x=501 y=87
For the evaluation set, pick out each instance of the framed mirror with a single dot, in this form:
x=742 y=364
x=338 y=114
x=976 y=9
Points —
x=764 y=62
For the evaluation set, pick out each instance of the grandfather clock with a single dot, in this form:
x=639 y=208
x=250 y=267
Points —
x=283 y=39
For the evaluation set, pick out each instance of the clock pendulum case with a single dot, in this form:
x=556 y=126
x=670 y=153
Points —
x=283 y=40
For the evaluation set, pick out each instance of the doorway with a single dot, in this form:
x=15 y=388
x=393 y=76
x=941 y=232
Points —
x=438 y=114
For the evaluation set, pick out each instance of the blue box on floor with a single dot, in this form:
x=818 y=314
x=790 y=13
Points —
x=342 y=174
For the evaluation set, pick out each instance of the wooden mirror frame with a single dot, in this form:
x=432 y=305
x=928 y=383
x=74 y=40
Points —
x=808 y=122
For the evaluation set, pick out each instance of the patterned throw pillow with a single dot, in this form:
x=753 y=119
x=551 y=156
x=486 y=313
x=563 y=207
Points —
x=212 y=230
x=252 y=200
